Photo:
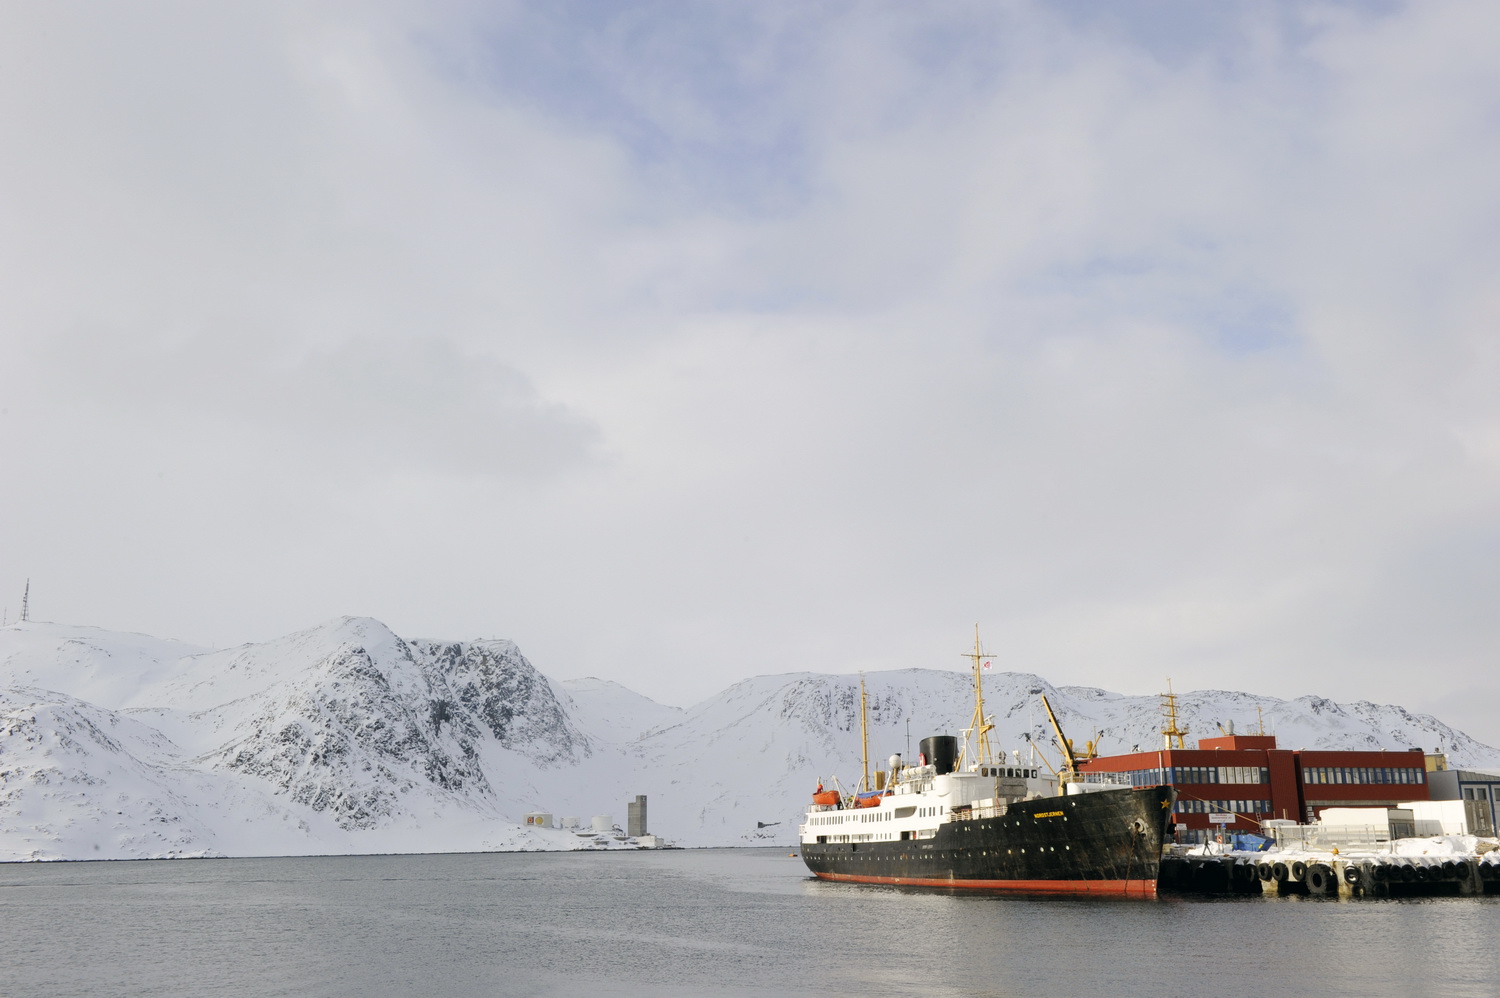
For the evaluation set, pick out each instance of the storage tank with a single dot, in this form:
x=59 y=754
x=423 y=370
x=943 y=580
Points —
x=603 y=823
x=940 y=752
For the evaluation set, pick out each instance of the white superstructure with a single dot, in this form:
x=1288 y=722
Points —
x=920 y=799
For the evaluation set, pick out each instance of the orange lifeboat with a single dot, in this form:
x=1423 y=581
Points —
x=873 y=801
x=828 y=798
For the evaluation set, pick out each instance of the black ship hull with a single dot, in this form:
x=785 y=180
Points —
x=1106 y=842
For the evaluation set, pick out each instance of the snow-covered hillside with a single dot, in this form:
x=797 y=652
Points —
x=336 y=739
x=758 y=748
x=609 y=711
x=348 y=738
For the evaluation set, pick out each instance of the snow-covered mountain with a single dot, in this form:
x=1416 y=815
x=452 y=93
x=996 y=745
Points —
x=348 y=738
x=609 y=711
x=339 y=738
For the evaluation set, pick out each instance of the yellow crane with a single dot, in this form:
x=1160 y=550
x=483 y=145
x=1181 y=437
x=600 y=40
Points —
x=1070 y=761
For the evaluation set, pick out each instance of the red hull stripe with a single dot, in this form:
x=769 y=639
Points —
x=1141 y=888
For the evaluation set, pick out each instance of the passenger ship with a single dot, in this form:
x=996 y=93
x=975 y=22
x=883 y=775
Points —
x=987 y=823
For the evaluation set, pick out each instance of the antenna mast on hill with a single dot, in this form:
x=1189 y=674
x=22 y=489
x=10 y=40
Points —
x=979 y=726
x=25 y=601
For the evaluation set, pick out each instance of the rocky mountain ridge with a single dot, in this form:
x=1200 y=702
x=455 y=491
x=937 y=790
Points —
x=347 y=738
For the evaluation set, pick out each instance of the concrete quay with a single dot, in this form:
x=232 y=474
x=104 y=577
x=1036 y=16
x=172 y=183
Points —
x=1316 y=875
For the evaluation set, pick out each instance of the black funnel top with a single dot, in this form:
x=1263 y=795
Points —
x=940 y=752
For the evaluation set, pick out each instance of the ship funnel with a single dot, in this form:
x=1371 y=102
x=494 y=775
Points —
x=940 y=752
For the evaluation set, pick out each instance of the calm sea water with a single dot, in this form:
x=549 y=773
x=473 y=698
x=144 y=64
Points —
x=729 y=922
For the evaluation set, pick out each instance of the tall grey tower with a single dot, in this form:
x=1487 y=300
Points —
x=635 y=820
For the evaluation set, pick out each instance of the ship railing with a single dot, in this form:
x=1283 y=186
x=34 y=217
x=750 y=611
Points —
x=1095 y=778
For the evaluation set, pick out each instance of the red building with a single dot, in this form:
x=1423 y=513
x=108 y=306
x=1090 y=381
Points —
x=1249 y=777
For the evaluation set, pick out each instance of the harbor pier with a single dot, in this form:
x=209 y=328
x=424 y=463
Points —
x=1330 y=875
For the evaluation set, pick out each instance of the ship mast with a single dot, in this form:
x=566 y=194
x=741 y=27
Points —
x=978 y=726
x=864 y=740
x=1171 y=732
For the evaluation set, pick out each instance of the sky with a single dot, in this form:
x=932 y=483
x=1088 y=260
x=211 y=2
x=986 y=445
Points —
x=686 y=342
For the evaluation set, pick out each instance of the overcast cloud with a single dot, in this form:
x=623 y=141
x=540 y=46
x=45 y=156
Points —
x=681 y=343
